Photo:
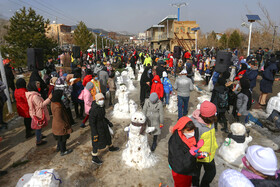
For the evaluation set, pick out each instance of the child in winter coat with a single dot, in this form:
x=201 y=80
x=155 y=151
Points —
x=37 y=110
x=87 y=98
x=204 y=120
x=157 y=87
x=244 y=101
x=153 y=109
x=61 y=126
x=261 y=166
x=100 y=134
x=182 y=155
x=112 y=88
x=96 y=86
x=77 y=89
x=167 y=86
x=22 y=106
x=200 y=66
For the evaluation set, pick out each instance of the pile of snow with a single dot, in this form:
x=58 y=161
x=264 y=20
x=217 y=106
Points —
x=232 y=151
x=197 y=76
x=40 y=178
x=173 y=104
x=125 y=106
x=140 y=72
x=137 y=153
x=273 y=104
x=203 y=98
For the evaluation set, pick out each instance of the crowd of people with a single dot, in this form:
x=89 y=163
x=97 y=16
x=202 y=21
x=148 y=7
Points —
x=193 y=141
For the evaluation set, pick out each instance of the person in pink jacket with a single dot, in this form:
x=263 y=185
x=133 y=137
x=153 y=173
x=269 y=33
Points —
x=87 y=98
x=37 y=108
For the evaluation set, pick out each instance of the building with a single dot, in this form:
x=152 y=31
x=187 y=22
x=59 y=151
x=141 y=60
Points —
x=169 y=33
x=112 y=35
x=61 y=33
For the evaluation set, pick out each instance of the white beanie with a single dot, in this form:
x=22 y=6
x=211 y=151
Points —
x=164 y=74
x=233 y=178
x=262 y=159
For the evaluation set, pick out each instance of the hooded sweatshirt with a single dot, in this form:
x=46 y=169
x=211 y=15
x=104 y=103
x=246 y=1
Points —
x=157 y=87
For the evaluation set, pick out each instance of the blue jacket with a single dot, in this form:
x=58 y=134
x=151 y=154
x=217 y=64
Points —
x=252 y=76
x=167 y=86
x=215 y=77
x=77 y=89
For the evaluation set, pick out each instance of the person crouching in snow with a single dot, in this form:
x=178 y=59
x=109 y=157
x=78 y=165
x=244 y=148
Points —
x=182 y=155
x=204 y=120
x=87 y=98
x=100 y=134
x=157 y=87
x=61 y=125
x=261 y=164
x=244 y=101
x=167 y=86
x=153 y=110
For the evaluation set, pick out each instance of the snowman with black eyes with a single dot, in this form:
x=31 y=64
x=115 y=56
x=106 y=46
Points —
x=137 y=153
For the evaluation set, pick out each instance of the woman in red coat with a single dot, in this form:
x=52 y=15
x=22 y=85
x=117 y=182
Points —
x=157 y=87
x=22 y=106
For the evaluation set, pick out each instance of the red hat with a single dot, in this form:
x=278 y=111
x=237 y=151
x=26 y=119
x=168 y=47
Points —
x=207 y=109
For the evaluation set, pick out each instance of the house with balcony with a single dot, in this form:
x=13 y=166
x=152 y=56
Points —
x=60 y=32
x=169 y=33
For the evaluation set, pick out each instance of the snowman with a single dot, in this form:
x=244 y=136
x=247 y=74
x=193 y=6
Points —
x=137 y=153
x=130 y=73
x=197 y=76
x=233 y=149
x=201 y=99
x=140 y=72
x=273 y=104
x=173 y=104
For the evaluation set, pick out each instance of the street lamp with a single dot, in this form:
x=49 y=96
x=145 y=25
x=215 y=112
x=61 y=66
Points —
x=195 y=30
x=96 y=32
x=102 y=40
x=179 y=5
x=251 y=19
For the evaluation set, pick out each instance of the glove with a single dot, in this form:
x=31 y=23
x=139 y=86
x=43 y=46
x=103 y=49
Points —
x=201 y=155
x=160 y=125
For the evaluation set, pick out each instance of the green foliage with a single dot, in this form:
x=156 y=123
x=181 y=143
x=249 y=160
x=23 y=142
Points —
x=234 y=40
x=26 y=30
x=223 y=41
x=83 y=37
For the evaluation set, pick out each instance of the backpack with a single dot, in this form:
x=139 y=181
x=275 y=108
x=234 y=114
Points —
x=222 y=100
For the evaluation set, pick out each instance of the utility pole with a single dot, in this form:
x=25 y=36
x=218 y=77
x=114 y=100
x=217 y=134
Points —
x=179 y=5
x=274 y=34
x=4 y=79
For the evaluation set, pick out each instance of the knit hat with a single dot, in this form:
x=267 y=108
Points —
x=207 y=109
x=89 y=86
x=164 y=74
x=153 y=97
x=233 y=178
x=262 y=159
x=99 y=96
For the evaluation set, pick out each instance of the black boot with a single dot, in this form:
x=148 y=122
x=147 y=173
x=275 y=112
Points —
x=216 y=127
x=154 y=145
x=3 y=173
x=225 y=129
x=96 y=160
x=113 y=149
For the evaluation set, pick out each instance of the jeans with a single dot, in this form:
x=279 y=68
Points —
x=182 y=101
x=166 y=97
x=209 y=174
x=38 y=135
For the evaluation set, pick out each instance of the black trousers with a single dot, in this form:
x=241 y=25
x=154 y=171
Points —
x=27 y=124
x=1 y=111
x=209 y=175
x=79 y=113
x=61 y=145
x=207 y=79
x=221 y=119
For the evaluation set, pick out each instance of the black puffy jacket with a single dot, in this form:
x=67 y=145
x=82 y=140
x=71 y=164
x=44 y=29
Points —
x=179 y=157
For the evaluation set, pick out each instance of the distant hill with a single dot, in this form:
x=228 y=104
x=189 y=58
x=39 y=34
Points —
x=122 y=33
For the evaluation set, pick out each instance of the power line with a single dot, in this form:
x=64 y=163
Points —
x=56 y=11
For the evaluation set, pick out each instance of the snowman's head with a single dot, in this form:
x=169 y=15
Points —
x=117 y=73
x=238 y=129
x=123 y=88
x=138 y=119
x=124 y=73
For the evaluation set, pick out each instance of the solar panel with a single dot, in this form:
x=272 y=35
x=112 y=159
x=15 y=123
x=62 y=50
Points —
x=253 y=17
x=195 y=29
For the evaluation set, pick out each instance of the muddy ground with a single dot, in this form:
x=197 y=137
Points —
x=20 y=156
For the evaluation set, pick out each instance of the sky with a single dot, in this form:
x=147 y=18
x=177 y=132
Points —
x=136 y=16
